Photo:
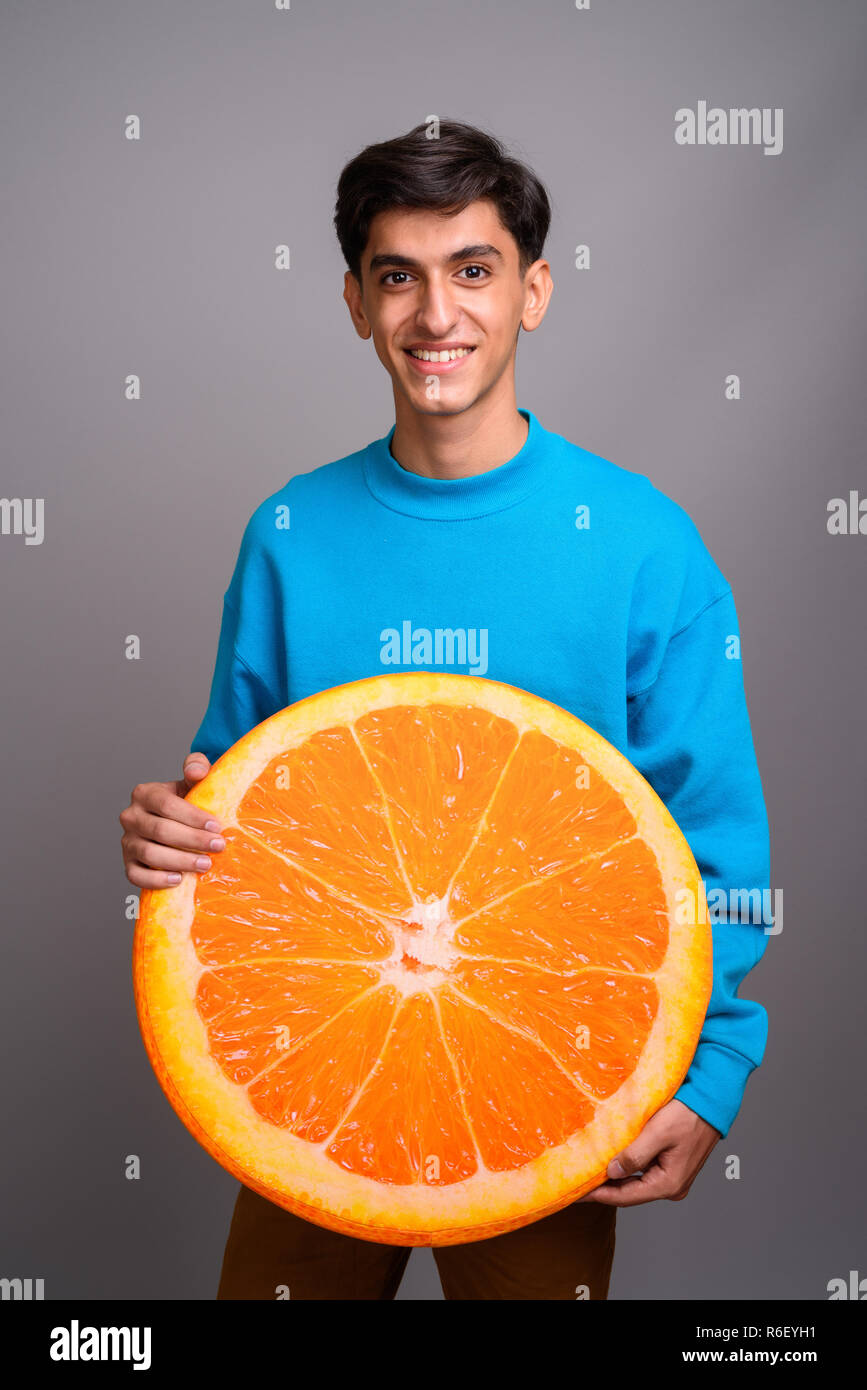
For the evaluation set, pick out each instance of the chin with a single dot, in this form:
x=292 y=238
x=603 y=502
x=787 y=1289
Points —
x=455 y=406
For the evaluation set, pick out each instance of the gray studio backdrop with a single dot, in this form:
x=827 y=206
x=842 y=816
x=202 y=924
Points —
x=156 y=257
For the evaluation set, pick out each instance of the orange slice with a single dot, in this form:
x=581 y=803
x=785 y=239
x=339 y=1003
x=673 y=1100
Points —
x=454 y=956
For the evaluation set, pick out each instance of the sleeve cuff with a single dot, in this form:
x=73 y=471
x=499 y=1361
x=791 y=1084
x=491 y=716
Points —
x=715 y=1083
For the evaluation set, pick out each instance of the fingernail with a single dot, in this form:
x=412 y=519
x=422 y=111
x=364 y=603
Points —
x=218 y=844
x=202 y=862
x=616 y=1170
x=212 y=825
x=174 y=878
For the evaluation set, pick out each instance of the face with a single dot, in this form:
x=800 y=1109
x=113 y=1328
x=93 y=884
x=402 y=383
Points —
x=434 y=284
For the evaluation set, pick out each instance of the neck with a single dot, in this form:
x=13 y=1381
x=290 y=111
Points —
x=460 y=445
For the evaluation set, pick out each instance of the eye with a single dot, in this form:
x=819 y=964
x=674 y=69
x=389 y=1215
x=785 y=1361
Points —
x=475 y=279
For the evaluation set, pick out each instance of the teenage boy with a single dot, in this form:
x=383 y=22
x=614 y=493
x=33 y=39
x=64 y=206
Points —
x=582 y=583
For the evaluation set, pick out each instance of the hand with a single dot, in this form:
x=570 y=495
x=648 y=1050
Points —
x=165 y=836
x=669 y=1152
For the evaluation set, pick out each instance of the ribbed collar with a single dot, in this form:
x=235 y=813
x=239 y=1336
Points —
x=458 y=499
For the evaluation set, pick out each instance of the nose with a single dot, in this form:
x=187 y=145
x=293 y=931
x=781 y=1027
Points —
x=437 y=311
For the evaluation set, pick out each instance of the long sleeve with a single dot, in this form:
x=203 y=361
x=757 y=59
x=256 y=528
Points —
x=240 y=698
x=689 y=735
x=249 y=681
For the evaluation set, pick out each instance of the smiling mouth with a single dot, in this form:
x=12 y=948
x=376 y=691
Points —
x=446 y=360
x=444 y=355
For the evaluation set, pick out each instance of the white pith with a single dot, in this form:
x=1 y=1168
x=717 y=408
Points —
x=426 y=939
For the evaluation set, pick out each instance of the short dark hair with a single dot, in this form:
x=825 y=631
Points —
x=445 y=175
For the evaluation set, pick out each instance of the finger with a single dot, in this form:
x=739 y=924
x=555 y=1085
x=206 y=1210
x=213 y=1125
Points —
x=177 y=835
x=602 y=1187
x=602 y=1195
x=653 y=1140
x=196 y=766
x=154 y=856
x=629 y=1192
x=158 y=799
x=142 y=877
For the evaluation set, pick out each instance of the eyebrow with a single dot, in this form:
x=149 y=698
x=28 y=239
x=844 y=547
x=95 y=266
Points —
x=466 y=253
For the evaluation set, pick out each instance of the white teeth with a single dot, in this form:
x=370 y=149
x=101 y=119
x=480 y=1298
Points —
x=448 y=355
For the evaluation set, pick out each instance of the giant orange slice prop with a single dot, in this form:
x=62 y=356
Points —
x=454 y=956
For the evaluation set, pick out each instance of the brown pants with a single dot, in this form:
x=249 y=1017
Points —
x=269 y=1248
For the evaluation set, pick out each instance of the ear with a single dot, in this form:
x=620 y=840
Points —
x=538 y=288
x=352 y=295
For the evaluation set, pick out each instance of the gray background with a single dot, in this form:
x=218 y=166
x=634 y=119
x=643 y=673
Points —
x=156 y=258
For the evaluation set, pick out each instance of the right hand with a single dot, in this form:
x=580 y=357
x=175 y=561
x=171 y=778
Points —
x=165 y=836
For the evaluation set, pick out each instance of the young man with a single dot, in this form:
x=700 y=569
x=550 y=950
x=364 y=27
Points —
x=592 y=589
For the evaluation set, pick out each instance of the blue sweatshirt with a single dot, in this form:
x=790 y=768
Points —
x=563 y=574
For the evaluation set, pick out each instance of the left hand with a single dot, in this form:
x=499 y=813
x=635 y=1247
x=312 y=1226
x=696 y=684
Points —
x=668 y=1153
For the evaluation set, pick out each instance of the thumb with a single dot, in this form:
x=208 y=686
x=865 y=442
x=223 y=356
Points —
x=635 y=1158
x=196 y=766
x=623 y=1166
